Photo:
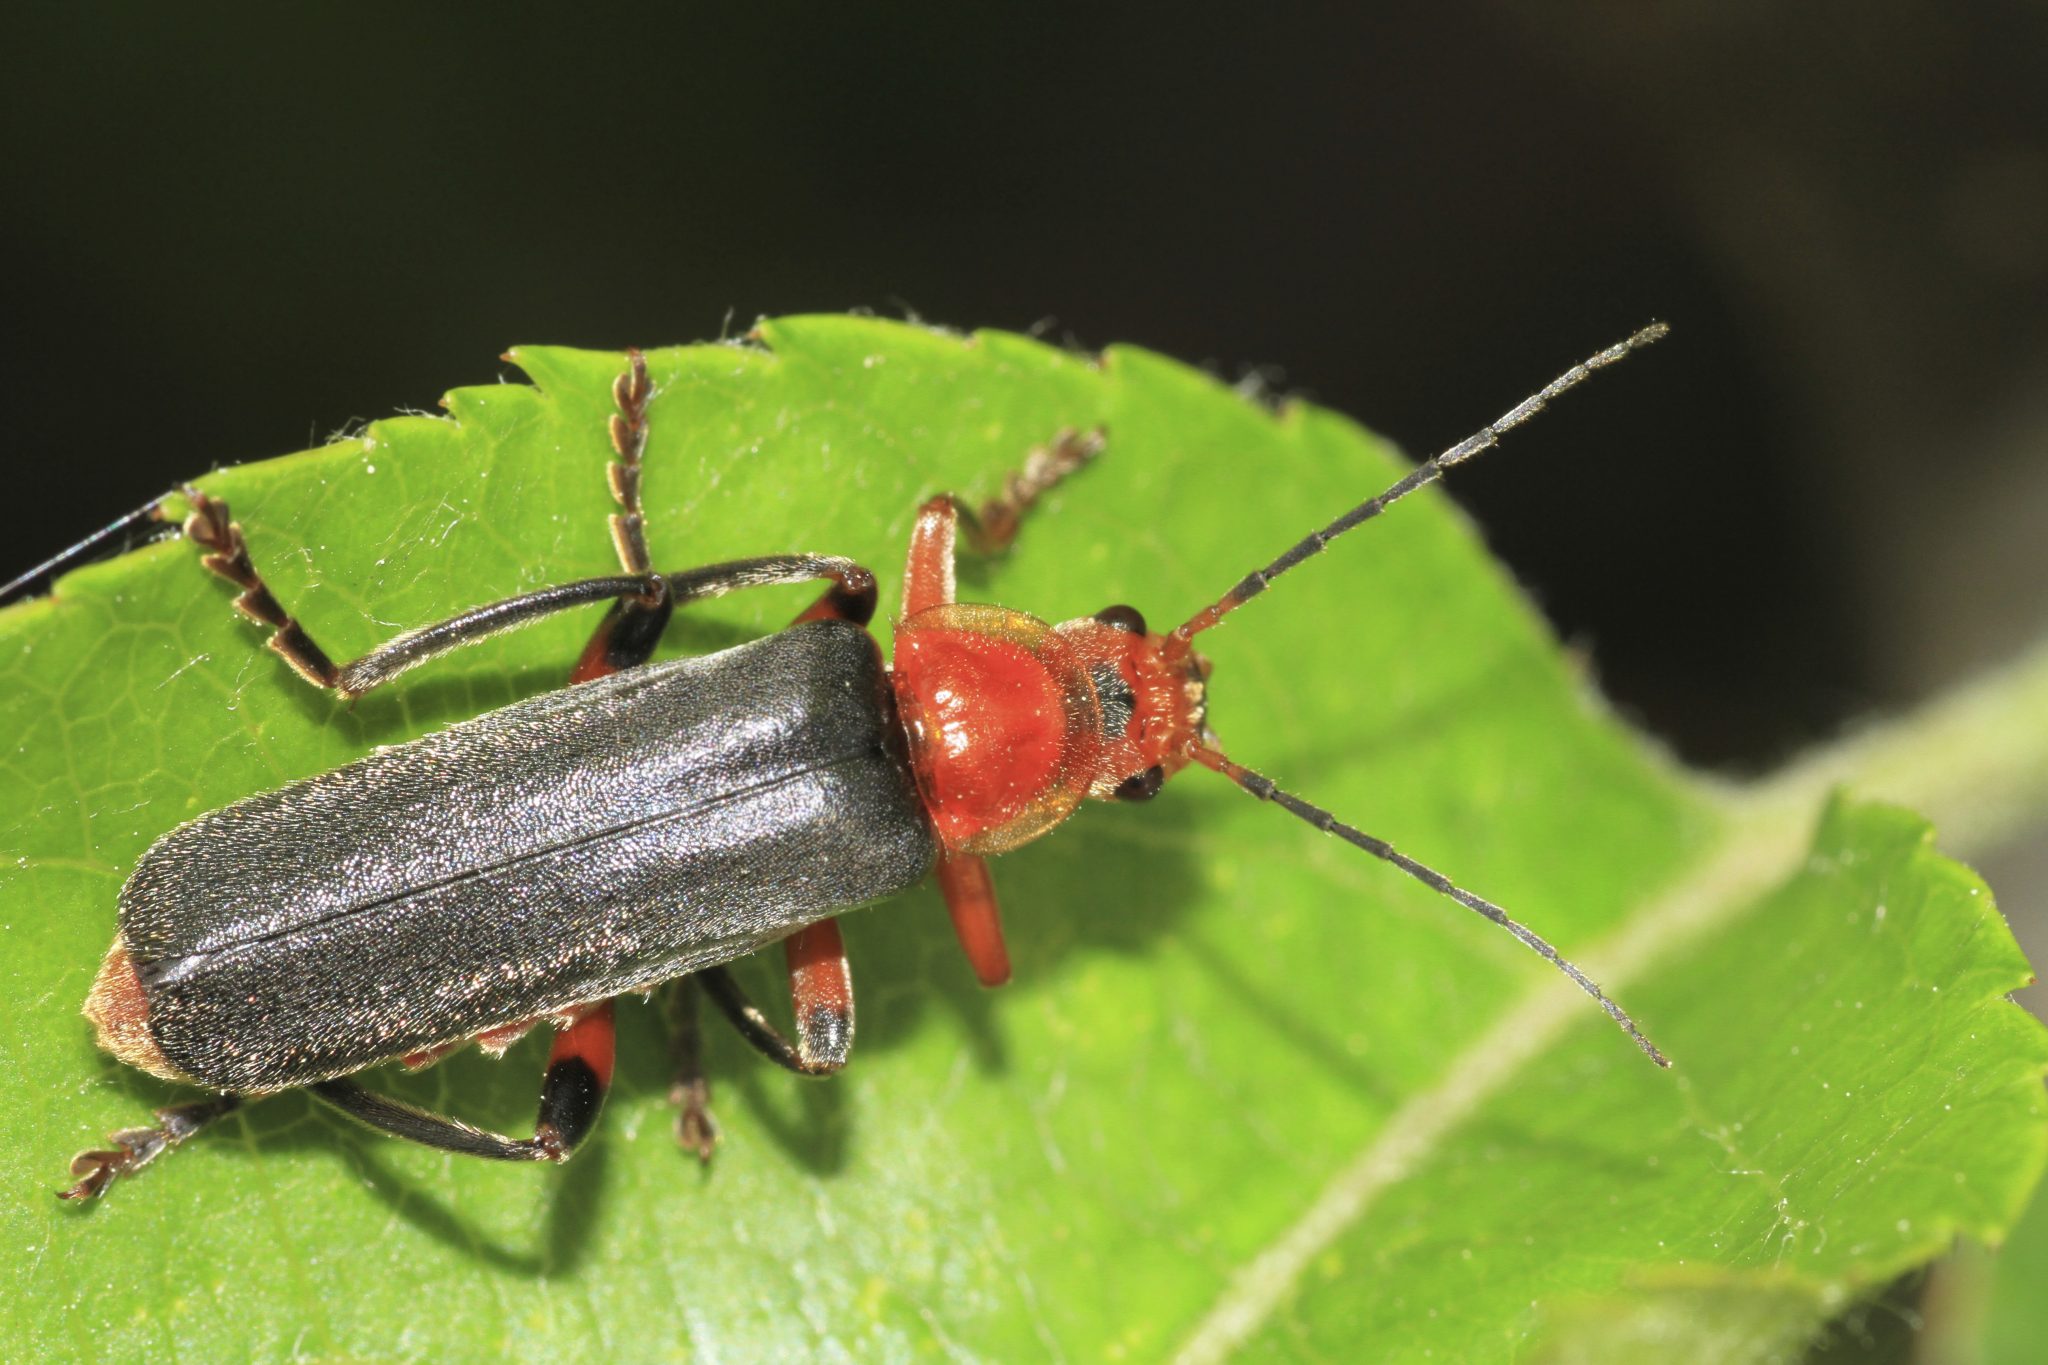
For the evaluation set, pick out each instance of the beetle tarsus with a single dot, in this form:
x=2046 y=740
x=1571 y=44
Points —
x=551 y=1145
x=993 y=526
x=696 y=1130
x=634 y=625
x=135 y=1148
x=211 y=526
x=630 y=392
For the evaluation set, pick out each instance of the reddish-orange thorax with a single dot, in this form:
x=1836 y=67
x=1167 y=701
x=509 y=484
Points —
x=1013 y=721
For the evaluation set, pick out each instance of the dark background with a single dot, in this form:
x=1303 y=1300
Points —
x=229 y=235
x=230 y=232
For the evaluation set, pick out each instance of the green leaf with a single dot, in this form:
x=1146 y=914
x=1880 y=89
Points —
x=1250 y=1086
x=2006 y=1292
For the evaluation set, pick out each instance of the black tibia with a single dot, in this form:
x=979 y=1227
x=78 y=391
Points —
x=649 y=595
x=651 y=592
x=823 y=1036
x=991 y=527
x=571 y=1095
x=135 y=1148
x=423 y=1126
x=716 y=580
x=211 y=525
x=630 y=392
x=416 y=647
x=570 y=1099
x=690 y=1092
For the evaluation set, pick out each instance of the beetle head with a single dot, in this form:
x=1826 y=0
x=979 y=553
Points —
x=1153 y=701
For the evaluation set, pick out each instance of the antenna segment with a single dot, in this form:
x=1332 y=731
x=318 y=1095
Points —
x=26 y=583
x=1264 y=789
x=1484 y=439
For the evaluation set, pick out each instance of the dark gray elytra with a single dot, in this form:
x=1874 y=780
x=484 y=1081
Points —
x=563 y=849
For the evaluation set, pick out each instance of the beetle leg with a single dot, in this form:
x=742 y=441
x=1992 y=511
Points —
x=418 y=645
x=821 y=988
x=928 y=579
x=573 y=1088
x=630 y=392
x=632 y=628
x=210 y=525
x=572 y=1092
x=970 y=894
x=135 y=1148
x=696 y=1130
x=992 y=526
x=821 y=992
x=821 y=995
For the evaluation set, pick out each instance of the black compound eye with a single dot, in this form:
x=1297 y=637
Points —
x=1127 y=619
x=1143 y=787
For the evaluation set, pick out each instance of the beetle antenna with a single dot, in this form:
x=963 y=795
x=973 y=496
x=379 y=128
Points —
x=1484 y=439
x=1265 y=790
x=24 y=584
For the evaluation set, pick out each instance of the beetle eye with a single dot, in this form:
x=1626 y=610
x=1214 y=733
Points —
x=1142 y=787
x=1120 y=617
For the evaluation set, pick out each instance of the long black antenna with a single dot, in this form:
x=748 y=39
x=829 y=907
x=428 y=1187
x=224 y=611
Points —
x=25 y=584
x=1484 y=439
x=1265 y=790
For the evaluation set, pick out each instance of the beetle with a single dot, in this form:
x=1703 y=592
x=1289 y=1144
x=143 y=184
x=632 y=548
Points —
x=652 y=822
